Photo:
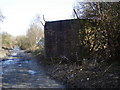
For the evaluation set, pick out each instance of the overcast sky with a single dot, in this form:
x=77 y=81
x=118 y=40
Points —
x=19 y=13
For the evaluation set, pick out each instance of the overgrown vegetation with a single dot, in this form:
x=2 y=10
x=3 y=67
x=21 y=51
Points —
x=100 y=49
x=101 y=37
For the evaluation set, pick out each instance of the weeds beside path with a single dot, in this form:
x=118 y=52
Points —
x=83 y=76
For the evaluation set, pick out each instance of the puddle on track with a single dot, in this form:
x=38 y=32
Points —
x=25 y=74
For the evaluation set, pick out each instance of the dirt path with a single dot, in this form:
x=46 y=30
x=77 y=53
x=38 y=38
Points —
x=21 y=71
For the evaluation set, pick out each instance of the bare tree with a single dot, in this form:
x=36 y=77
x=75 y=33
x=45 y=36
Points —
x=90 y=10
x=35 y=32
x=1 y=17
x=1 y=20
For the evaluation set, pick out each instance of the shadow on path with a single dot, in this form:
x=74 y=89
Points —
x=20 y=71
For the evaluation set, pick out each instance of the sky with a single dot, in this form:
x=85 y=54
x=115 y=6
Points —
x=20 y=13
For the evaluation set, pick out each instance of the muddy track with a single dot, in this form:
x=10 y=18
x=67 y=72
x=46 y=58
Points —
x=21 y=70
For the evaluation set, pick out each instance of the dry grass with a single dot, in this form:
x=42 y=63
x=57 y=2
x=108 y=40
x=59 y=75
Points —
x=85 y=76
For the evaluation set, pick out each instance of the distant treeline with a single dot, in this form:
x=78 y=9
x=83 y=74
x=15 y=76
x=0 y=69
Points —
x=30 y=41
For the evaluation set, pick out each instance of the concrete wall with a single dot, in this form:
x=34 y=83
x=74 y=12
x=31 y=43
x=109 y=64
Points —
x=62 y=38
